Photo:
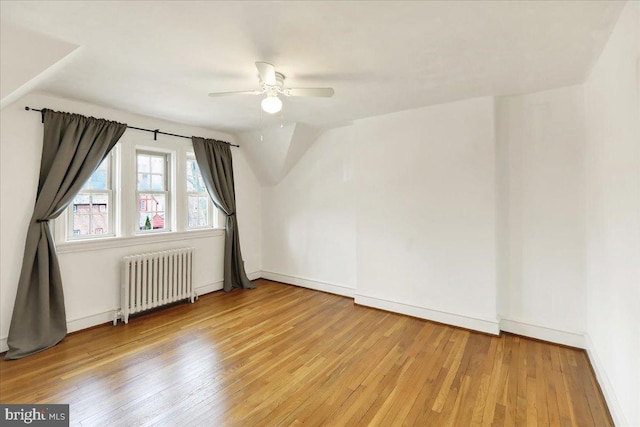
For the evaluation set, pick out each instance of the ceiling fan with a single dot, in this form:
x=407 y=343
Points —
x=272 y=84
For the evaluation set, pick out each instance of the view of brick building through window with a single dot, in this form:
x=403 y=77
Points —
x=90 y=218
x=151 y=212
x=152 y=190
x=90 y=208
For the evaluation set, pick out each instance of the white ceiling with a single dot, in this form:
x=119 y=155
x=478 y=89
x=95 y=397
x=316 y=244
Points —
x=162 y=58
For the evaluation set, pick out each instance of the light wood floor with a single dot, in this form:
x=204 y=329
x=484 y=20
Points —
x=281 y=355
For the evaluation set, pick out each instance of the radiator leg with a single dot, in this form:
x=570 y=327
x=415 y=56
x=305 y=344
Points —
x=117 y=315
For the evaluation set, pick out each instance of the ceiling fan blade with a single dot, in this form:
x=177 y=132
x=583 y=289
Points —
x=325 y=92
x=267 y=72
x=242 y=92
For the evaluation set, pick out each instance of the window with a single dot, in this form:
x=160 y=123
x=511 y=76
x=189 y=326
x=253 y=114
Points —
x=91 y=211
x=199 y=206
x=152 y=191
x=140 y=190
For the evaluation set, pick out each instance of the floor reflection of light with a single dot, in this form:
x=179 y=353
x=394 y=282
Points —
x=190 y=381
x=94 y=396
x=179 y=375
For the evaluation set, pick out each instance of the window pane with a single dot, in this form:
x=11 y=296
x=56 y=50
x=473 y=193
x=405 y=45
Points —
x=99 y=202
x=98 y=181
x=198 y=211
x=191 y=166
x=197 y=204
x=100 y=223
x=201 y=187
x=151 y=211
x=143 y=163
x=191 y=184
x=151 y=172
x=151 y=202
x=143 y=182
x=81 y=225
x=157 y=164
x=151 y=221
x=193 y=211
x=157 y=183
x=81 y=199
x=192 y=174
x=203 y=212
x=90 y=214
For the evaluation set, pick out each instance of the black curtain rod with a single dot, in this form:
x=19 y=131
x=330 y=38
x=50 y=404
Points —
x=154 y=132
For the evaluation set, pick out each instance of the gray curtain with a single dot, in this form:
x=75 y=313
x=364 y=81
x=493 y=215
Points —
x=73 y=147
x=216 y=166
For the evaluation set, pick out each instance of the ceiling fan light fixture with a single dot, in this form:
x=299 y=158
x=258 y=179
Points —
x=271 y=104
x=272 y=85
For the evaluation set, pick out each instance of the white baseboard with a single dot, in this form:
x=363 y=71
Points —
x=473 y=323
x=605 y=385
x=308 y=283
x=211 y=287
x=570 y=339
x=255 y=275
x=76 y=325
x=89 y=321
x=107 y=316
x=217 y=286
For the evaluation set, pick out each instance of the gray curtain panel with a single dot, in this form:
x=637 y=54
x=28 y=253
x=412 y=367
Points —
x=216 y=166
x=73 y=147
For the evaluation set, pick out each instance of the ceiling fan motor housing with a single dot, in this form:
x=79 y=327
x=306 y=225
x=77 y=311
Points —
x=272 y=85
x=276 y=88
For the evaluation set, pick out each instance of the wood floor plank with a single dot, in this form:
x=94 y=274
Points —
x=281 y=355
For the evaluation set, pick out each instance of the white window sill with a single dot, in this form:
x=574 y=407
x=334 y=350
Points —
x=120 y=242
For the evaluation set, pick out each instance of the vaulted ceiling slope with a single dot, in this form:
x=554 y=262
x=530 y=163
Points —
x=162 y=58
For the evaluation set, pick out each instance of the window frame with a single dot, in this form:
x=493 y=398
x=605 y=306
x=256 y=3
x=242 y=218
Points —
x=111 y=158
x=168 y=157
x=124 y=219
x=212 y=210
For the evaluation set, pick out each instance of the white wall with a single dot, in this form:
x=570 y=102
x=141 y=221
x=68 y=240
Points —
x=426 y=213
x=91 y=277
x=404 y=202
x=91 y=273
x=266 y=149
x=613 y=217
x=543 y=293
x=309 y=218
